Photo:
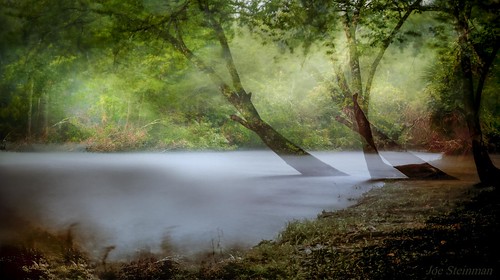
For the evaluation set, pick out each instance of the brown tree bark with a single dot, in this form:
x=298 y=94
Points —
x=488 y=173
x=293 y=155
x=247 y=114
x=376 y=166
x=412 y=171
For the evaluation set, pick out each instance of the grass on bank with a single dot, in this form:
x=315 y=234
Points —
x=404 y=230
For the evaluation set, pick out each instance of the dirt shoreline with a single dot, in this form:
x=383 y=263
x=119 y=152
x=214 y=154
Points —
x=406 y=229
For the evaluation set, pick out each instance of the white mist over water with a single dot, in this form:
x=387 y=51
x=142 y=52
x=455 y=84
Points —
x=134 y=200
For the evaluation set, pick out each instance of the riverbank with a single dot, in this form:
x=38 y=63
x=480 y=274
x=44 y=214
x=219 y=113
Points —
x=44 y=147
x=406 y=229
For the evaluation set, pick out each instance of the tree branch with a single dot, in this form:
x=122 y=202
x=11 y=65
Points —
x=485 y=68
x=343 y=120
x=226 y=50
x=385 y=44
x=240 y=120
x=179 y=44
x=350 y=26
x=342 y=82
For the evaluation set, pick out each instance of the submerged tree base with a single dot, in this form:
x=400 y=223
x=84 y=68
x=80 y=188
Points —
x=423 y=171
x=309 y=165
x=379 y=169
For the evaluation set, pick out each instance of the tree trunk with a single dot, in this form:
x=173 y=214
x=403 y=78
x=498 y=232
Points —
x=293 y=155
x=488 y=173
x=30 y=110
x=46 y=116
x=378 y=167
x=486 y=170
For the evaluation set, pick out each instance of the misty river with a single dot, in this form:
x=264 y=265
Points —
x=138 y=200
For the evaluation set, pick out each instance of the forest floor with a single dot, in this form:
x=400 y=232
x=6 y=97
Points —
x=405 y=230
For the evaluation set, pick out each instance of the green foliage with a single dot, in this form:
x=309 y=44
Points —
x=195 y=135
x=102 y=70
x=292 y=24
x=448 y=95
x=446 y=106
x=114 y=138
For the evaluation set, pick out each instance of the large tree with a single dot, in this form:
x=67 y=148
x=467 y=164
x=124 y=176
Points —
x=185 y=26
x=216 y=18
x=477 y=30
x=368 y=28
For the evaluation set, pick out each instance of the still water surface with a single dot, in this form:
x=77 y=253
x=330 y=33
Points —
x=135 y=200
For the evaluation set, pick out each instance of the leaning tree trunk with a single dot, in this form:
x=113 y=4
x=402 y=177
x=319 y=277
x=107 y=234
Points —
x=376 y=166
x=247 y=114
x=292 y=154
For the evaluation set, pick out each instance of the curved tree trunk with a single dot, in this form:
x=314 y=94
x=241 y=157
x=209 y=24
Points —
x=293 y=155
x=247 y=115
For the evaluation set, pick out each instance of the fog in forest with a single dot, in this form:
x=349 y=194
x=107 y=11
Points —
x=133 y=102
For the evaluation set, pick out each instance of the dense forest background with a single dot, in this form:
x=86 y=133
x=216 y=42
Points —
x=94 y=72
